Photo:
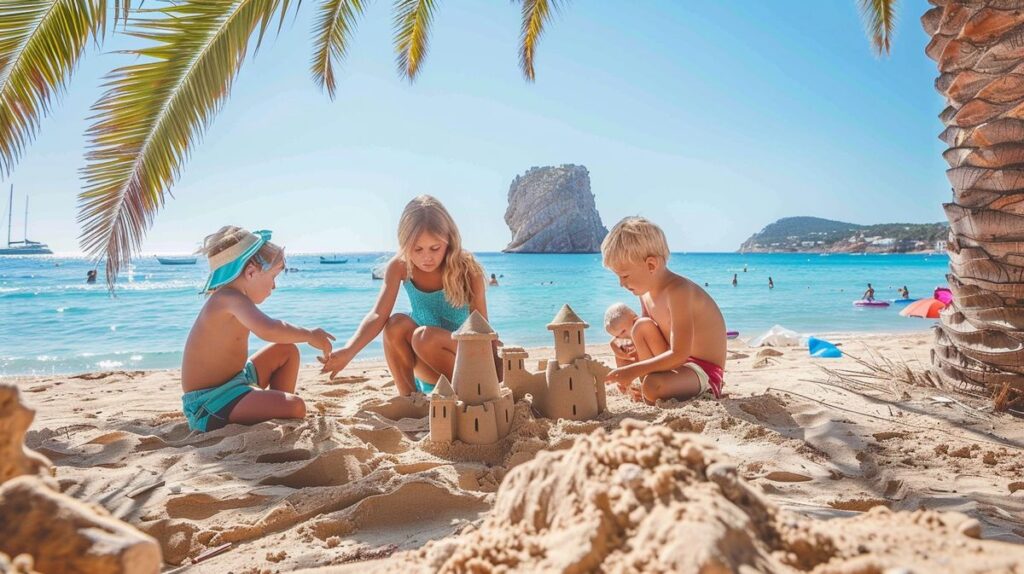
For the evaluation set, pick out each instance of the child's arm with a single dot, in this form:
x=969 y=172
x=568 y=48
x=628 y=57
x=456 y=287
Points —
x=373 y=323
x=274 y=330
x=479 y=292
x=680 y=342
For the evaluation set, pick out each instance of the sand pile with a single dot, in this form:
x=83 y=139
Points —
x=645 y=498
x=47 y=530
x=358 y=478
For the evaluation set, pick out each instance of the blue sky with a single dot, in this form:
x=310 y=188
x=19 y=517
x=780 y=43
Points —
x=713 y=118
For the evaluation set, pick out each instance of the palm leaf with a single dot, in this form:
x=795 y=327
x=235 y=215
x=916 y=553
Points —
x=880 y=20
x=333 y=26
x=412 y=25
x=40 y=43
x=536 y=13
x=154 y=111
x=121 y=9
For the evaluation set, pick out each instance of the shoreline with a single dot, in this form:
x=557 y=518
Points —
x=832 y=336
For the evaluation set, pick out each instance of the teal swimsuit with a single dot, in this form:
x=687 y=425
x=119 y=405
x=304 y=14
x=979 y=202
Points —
x=208 y=409
x=432 y=309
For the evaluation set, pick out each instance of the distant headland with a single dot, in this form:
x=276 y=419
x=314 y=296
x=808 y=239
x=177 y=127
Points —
x=817 y=235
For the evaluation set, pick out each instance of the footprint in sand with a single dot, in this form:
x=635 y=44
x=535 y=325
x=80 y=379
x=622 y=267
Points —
x=387 y=439
x=786 y=476
x=201 y=505
x=398 y=408
x=767 y=409
x=293 y=455
x=419 y=509
x=330 y=468
x=336 y=393
x=107 y=450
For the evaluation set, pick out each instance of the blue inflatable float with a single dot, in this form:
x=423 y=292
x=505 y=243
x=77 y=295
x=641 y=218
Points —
x=823 y=349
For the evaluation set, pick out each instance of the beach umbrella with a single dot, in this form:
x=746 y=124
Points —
x=924 y=308
x=943 y=294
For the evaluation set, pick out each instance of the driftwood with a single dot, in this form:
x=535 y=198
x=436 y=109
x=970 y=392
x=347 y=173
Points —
x=48 y=531
x=64 y=535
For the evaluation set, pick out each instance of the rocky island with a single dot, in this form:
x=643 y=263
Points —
x=552 y=210
x=817 y=235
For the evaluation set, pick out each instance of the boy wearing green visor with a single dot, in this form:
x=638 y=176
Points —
x=222 y=384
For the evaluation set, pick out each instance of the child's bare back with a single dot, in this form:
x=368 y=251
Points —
x=698 y=308
x=217 y=347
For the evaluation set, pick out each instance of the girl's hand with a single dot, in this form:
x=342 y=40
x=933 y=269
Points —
x=336 y=362
x=321 y=340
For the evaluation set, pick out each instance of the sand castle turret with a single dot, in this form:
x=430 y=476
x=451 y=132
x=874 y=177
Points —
x=568 y=330
x=442 y=411
x=572 y=385
x=475 y=378
x=475 y=409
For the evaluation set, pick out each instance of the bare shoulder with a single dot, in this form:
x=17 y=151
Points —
x=227 y=300
x=396 y=269
x=682 y=289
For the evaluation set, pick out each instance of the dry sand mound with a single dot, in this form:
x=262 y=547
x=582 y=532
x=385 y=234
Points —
x=645 y=498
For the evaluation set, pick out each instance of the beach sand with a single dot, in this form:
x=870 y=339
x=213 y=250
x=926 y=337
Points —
x=353 y=482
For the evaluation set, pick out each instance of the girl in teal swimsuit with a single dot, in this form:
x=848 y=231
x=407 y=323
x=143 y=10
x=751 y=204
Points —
x=444 y=284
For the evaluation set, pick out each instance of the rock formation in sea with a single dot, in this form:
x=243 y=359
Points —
x=552 y=210
x=42 y=529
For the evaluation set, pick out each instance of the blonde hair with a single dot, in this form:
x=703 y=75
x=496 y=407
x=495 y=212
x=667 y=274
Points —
x=229 y=235
x=633 y=240
x=616 y=312
x=425 y=214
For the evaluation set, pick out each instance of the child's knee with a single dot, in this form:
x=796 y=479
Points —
x=420 y=338
x=397 y=327
x=643 y=327
x=290 y=351
x=652 y=386
x=295 y=407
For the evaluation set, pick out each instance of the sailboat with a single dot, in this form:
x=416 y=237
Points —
x=25 y=246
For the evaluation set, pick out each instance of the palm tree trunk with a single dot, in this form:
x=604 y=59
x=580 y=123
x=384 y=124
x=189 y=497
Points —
x=979 y=48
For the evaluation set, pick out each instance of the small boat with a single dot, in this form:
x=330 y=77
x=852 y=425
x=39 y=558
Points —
x=176 y=260
x=332 y=260
x=866 y=303
x=732 y=334
x=26 y=246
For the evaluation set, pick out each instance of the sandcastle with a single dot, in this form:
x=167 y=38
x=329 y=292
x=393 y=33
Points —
x=477 y=409
x=569 y=387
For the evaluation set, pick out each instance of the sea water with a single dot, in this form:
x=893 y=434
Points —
x=51 y=321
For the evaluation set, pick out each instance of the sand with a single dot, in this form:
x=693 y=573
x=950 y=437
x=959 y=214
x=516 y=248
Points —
x=356 y=482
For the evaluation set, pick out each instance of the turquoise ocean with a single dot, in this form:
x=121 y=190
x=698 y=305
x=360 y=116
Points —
x=51 y=321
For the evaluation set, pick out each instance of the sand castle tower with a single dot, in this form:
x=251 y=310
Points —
x=474 y=408
x=569 y=387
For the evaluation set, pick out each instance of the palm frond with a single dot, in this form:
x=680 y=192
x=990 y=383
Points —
x=121 y=10
x=536 y=13
x=412 y=26
x=153 y=112
x=333 y=27
x=40 y=43
x=880 y=20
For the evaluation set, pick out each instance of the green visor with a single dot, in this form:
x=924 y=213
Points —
x=229 y=264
